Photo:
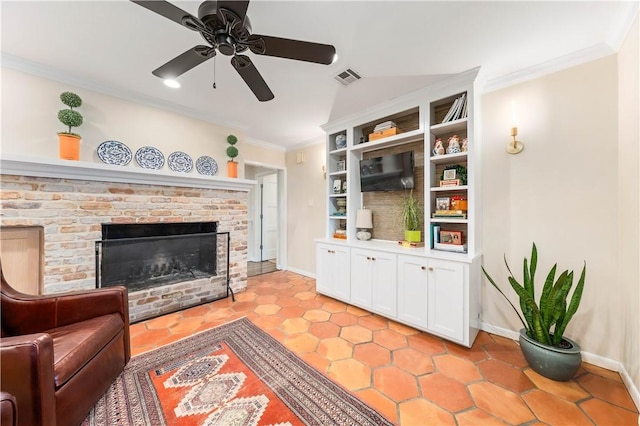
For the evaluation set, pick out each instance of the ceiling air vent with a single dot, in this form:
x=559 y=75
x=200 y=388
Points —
x=347 y=76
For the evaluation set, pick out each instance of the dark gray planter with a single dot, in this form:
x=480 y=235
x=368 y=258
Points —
x=550 y=361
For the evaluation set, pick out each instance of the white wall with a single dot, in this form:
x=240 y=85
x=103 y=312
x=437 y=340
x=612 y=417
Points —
x=306 y=206
x=629 y=199
x=560 y=192
x=30 y=124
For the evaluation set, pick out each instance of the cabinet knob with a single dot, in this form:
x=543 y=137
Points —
x=368 y=258
x=423 y=267
x=431 y=268
x=373 y=258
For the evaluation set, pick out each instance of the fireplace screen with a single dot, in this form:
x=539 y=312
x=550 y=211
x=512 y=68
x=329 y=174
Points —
x=141 y=256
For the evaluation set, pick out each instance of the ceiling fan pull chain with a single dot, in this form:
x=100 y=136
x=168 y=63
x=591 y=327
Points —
x=214 y=72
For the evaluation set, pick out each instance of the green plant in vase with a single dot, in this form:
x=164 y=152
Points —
x=542 y=338
x=411 y=217
x=69 y=142
x=232 y=153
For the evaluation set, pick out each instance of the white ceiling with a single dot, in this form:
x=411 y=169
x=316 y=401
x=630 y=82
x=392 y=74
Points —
x=113 y=46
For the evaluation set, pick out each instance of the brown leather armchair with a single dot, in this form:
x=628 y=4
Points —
x=59 y=353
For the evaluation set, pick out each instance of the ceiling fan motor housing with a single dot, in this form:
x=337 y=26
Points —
x=224 y=37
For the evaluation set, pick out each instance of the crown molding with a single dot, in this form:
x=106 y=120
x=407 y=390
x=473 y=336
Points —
x=263 y=144
x=567 y=61
x=19 y=64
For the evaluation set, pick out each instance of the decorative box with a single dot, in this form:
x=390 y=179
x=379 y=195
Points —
x=383 y=134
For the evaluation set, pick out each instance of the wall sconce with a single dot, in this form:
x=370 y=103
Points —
x=515 y=146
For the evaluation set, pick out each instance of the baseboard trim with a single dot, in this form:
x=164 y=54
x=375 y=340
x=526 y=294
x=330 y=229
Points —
x=301 y=272
x=589 y=357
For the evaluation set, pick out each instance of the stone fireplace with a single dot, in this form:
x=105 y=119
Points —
x=74 y=201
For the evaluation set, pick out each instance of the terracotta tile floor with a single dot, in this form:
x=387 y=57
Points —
x=410 y=377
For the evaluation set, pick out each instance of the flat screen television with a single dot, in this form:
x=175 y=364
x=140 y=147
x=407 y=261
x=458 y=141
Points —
x=391 y=172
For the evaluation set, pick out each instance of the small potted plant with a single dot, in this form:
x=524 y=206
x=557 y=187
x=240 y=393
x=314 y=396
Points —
x=69 y=142
x=232 y=152
x=546 y=350
x=411 y=218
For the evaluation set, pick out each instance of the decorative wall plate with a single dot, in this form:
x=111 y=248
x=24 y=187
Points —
x=180 y=162
x=114 y=152
x=149 y=157
x=206 y=165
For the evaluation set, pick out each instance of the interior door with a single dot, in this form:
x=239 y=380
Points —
x=269 y=219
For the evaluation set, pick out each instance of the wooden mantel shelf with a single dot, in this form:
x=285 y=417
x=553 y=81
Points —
x=54 y=168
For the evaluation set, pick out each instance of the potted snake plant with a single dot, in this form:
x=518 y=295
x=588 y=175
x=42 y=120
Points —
x=542 y=339
x=411 y=218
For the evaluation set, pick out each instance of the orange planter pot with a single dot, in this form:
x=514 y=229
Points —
x=69 y=147
x=232 y=169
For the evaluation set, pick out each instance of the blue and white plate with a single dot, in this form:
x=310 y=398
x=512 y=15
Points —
x=180 y=162
x=114 y=153
x=149 y=157
x=206 y=165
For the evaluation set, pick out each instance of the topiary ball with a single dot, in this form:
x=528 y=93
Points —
x=70 y=99
x=70 y=118
x=232 y=152
x=232 y=140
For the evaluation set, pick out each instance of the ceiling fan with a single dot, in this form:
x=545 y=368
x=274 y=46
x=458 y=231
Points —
x=226 y=27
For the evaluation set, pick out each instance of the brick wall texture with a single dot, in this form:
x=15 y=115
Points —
x=71 y=213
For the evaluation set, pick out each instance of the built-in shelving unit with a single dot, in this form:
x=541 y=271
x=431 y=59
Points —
x=432 y=289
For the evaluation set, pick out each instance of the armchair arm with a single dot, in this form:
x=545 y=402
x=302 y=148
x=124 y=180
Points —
x=23 y=314
x=8 y=409
x=26 y=366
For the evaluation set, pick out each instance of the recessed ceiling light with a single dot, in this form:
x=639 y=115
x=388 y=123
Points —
x=172 y=83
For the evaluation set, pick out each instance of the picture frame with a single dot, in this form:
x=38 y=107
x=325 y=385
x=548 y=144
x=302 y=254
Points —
x=451 y=237
x=341 y=166
x=443 y=203
x=449 y=174
x=337 y=186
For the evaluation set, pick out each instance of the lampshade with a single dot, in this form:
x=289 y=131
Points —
x=364 y=219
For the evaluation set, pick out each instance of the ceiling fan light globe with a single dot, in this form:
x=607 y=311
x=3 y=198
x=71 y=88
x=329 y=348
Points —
x=174 y=84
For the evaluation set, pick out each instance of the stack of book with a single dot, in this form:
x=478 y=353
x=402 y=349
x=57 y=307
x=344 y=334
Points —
x=458 y=109
x=384 y=126
x=452 y=214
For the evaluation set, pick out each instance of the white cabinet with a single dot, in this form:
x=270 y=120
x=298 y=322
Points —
x=412 y=290
x=435 y=288
x=446 y=298
x=373 y=281
x=333 y=266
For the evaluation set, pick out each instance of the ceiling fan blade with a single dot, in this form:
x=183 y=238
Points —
x=184 y=62
x=237 y=7
x=174 y=13
x=252 y=77
x=292 y=49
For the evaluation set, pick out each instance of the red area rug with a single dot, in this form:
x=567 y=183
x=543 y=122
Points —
x=234 y=374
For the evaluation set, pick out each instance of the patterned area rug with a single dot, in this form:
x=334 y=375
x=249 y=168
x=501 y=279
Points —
x=234 y=374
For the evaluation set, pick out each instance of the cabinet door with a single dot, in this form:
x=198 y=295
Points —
x=332 y=271
x=446 y=298
x=384 y=284
x=361 y=272
x=412 y=290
